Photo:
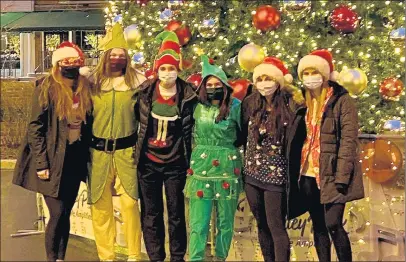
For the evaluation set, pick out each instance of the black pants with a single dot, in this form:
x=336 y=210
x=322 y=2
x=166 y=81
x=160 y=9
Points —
x=327 y=219
x=151 y=177
x=269 y=209
x=58 y=227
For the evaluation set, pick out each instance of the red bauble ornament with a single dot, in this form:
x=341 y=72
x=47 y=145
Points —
x=199 y=193
x=189 y=171
x=240 y=87
x=266 y=18
x=226 y=185
x=182 y=31
x=195 y=79
x=211 y=61
x=142 y=2
x=391 y=88
x=216 y=163
x=237 y=171
x=344 y=19
x=150 y=74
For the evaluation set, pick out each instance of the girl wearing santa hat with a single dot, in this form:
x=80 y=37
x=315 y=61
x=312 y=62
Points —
x=329 y=173
x=268 y=116
x=55 y=151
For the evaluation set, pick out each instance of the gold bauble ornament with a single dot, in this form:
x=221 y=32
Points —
x=354 y=80
x=250 y=56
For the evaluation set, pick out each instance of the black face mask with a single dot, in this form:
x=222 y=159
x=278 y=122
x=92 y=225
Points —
x=70 y=72
x=215 y=94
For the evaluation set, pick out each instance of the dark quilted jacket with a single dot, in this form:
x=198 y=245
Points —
x=143 y=106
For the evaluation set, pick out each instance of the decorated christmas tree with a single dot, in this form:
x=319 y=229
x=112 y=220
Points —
x=365 y=37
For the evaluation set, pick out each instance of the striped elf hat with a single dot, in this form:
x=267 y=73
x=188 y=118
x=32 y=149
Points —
x=169 y=52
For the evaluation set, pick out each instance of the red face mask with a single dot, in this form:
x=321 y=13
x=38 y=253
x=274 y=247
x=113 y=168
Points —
x=117 y=64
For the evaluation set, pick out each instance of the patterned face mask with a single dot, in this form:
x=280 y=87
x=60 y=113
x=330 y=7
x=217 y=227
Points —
x=71 y=61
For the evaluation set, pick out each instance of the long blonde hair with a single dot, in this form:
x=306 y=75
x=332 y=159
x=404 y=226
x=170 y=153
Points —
x=54 y=90
x=102 y=73
x=320 y=102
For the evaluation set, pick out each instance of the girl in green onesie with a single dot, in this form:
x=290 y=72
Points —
x=214 y=174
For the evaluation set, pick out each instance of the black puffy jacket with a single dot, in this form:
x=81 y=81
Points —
x=187 y=102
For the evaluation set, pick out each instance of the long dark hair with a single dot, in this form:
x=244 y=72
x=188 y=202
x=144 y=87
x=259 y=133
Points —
x=280 y=115
x=225 y=104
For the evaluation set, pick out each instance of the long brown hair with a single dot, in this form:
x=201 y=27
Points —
x=225 y=104
x=102 y=72
x=279 y=115
x=54 y=89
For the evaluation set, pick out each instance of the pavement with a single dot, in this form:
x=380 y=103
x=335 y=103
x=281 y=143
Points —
x=19 y=211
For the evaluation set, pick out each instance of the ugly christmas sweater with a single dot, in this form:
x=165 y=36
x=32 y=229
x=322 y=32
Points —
x=216 y=163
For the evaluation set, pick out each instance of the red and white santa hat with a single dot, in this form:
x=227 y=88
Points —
x=275 y=68
x=68 y=54
x=322 y=60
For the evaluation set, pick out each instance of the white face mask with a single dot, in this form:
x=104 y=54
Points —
x=266 y=88
x=313 y=82
x=168 y=77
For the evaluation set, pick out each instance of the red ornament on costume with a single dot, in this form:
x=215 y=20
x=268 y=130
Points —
x=195 y=79
x=190 y=172
x=344 y=19
x=391 y=88
x=226 y=185
x=216 y=163
x=237 y=171
x=240 y=87
x=199 y=193
x=266 y=18
x=182 y=31
x=142 y=2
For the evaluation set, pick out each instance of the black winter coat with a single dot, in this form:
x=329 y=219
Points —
x=187 y=102
x=339 y=150
x=44 y=147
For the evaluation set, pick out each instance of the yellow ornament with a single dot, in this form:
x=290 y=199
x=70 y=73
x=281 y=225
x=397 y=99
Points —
x=354 y=80
x=250 y=56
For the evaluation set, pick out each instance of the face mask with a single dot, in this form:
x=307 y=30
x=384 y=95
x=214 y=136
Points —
x=70 y=72
x=117 y=64
x=168 y=77
x=313 y=82
x=215 y=94
x=266 y=88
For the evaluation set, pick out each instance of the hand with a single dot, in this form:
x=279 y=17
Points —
x=342 y=188
x=43 y=174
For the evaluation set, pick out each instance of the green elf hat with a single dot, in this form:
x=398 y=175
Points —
x=114 y=39
x=169 y=52
x=212 y=70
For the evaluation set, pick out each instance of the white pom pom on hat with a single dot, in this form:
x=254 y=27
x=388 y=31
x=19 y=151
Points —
x=275 y=68
x=322 y=60
x=85 y=71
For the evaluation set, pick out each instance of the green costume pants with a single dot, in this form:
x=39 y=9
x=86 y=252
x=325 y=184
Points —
x=199 y=219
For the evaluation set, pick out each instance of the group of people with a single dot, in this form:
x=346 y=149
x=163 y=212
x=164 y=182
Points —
x=130 y=136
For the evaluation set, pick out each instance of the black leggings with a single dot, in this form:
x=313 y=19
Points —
x=269 y=209
x=327 y=219
x=58 y=227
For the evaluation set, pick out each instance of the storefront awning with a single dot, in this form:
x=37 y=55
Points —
x=57 y=21
x=7 y=18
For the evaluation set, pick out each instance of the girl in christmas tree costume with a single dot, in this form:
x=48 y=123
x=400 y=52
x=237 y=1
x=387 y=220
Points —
x=214 y=174
x=114 y=136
